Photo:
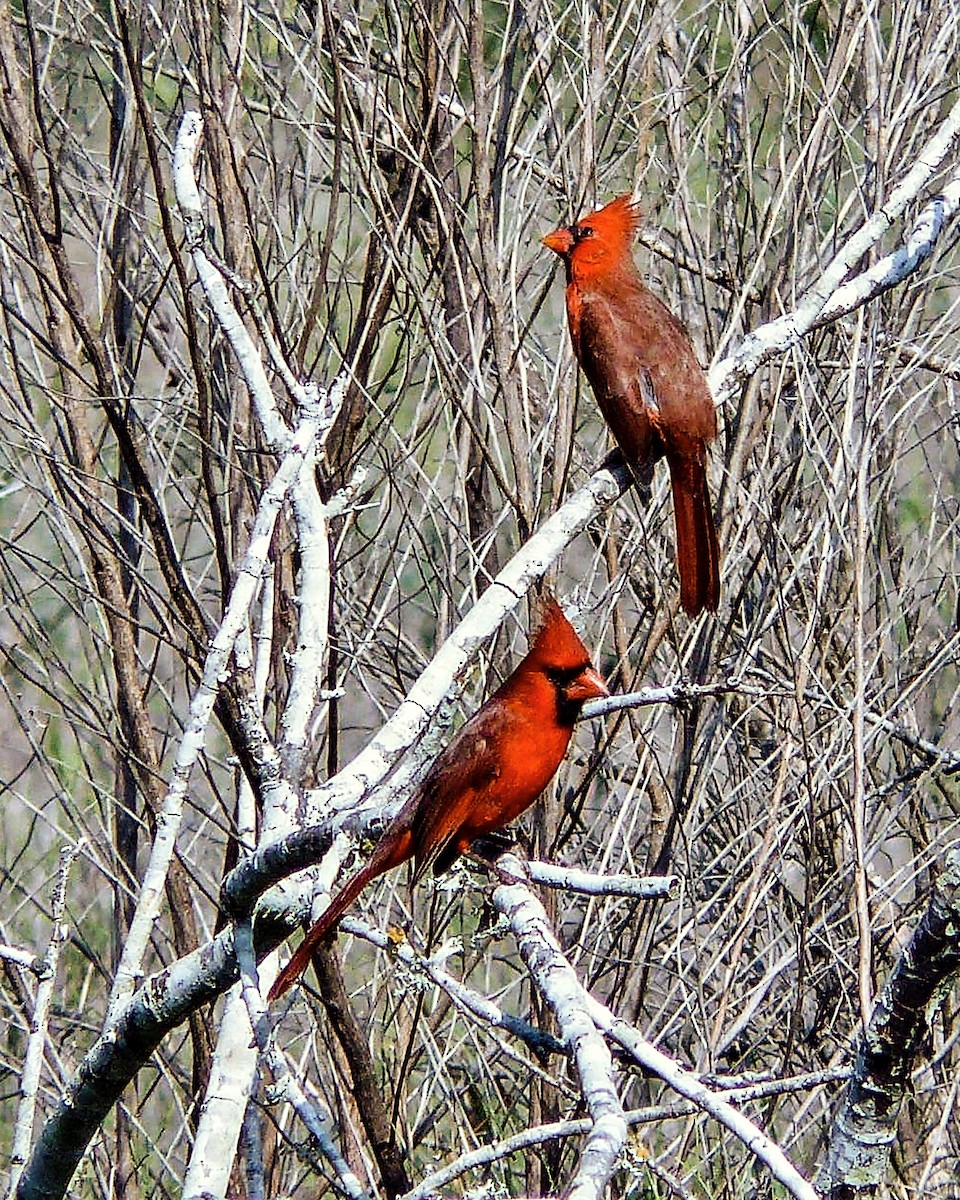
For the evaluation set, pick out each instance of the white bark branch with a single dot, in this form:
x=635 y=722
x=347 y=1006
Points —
x=33 y=1058
x=893 y=268
x=572 y=879
x=728 y=372
x=569 y=1001
x=687 y=1084
x=235 y=1059
x=201 y=708
x=232 y=1076
x=215 y=289
x=233 y=1071
x=257 y=1018
x=23 y=958
x=372 y=765
x=674 y=693
x=536 y=1135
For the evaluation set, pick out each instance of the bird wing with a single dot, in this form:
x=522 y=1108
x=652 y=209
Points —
x=459 y=777
x=622 y=381
x=611 y=354
x=644 y=371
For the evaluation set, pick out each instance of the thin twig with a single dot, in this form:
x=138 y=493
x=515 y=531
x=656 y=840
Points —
x=33 y=1057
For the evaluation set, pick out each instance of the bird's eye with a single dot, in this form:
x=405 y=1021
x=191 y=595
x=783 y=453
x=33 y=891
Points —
x=580 y=232
x=562 y=677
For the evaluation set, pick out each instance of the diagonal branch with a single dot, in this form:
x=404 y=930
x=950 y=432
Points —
x=830 y=295
x=866 y=1126
x=248 y=578
x=570 y=1003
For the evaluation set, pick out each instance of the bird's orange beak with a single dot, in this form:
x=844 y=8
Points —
x=560 y=241
x=588 y=685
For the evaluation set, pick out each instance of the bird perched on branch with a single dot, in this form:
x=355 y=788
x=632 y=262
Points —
x=644 y=372
x=494 y=769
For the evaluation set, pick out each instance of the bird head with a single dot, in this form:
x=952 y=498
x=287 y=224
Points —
x=558 y=653
x=601 y=240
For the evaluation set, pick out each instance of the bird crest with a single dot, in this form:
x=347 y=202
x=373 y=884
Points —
x=616 y=223
x=556 y=641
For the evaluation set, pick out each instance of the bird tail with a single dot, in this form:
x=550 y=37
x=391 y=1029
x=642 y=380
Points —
x=394 y=848
x=698 y=552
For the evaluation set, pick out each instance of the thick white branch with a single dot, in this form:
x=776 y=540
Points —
x=23 y=958
x=572 y=879
x=215 y=289
x=233 y=1071
x=785 y=331
x=568 y=999
x=374 y=763
x=894 y=268
x=232 y=1076
x=201 y=708
x=313 y=596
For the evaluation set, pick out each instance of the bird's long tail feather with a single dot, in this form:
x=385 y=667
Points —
x=698 y=552
x=395 y=848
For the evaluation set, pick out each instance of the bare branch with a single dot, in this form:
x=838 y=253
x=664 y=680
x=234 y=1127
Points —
x=866 y=1126
x=39 y=1031
x=562 y=991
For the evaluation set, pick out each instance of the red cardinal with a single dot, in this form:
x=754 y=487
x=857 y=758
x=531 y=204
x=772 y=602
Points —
x=645 y=375
x=494 y=768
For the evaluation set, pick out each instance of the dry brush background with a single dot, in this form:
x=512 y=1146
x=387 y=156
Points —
x=381 y=175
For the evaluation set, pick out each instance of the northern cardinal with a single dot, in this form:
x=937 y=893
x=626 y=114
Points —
x=648 y=382
x=494 y=768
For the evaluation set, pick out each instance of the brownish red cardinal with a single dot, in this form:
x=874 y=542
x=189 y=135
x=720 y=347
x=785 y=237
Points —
x=494 y=768
x=644 y=372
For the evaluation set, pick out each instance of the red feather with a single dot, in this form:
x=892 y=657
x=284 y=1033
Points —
x=493 y=770
x=642 y=367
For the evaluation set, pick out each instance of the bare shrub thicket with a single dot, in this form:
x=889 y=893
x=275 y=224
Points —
x=379 y=176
